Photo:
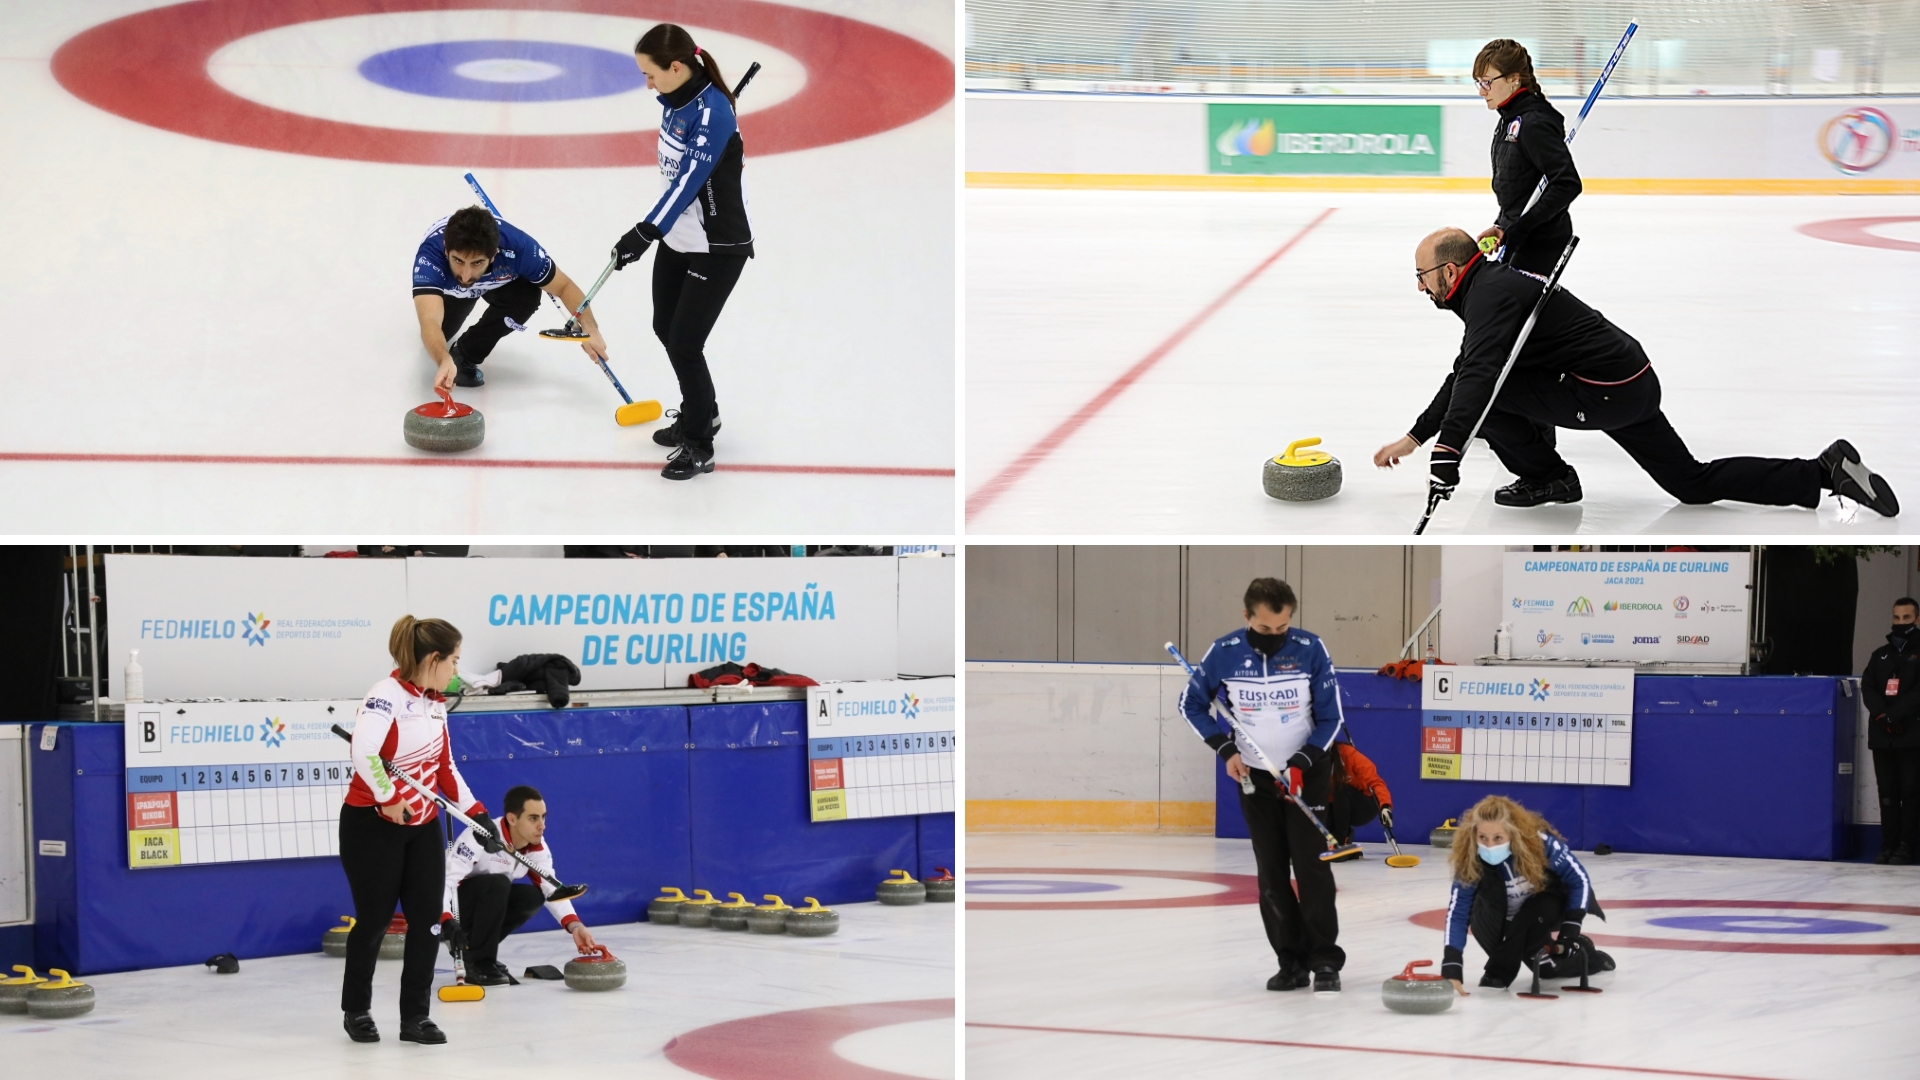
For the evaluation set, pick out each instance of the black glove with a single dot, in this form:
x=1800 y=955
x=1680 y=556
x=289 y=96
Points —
x=1306 y=758
x=450 y=932
x=488 y=834
x=629 y=248
x=1569 y=937
x=1443 y=472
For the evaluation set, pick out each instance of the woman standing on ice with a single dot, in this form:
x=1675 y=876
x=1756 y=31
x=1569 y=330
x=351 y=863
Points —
x=1517 y=885
x=700 y=221
x=1529 y=142
x=388 y=848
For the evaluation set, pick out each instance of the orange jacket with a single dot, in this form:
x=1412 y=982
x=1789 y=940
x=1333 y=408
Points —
x=1362 y=775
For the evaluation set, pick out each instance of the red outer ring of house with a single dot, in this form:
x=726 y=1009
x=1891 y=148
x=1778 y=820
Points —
x=1853 y=230
x=796 y=1043
x=151 y=68
x=1437 y=920
x=1240 y=889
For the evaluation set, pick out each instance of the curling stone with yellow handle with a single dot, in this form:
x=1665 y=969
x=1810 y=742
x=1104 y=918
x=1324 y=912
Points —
x=334 y=941
x=698 y=912
x=13 y=992
x=732 y=915
x=769 y=918
x=1302 y=475
x=939 y=886
x=1442 y=835
x=665 y=908
x=59 y=1000
x=596 y=969
x=901 y=890
x=812 y=920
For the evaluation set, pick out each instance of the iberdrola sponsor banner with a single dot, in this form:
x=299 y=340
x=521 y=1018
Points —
x=1641 y=606
x=1307 y=139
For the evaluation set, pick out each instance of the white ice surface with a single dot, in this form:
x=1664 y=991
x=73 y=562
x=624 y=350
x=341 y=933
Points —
x=1767 y=342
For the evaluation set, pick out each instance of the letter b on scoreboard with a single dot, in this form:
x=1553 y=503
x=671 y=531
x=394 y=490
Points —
x=148 y=725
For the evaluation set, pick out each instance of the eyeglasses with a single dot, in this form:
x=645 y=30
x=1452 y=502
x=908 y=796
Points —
x=1487 y=84
x=1421 y=275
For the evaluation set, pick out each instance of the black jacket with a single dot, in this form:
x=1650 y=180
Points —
x=1529 y=142
x=1893 y=720
x=1571 y=339
x=540 y=672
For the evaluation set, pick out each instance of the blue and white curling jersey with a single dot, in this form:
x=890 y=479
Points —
x=520 y=256
x=702 y=205
x=1282 y=702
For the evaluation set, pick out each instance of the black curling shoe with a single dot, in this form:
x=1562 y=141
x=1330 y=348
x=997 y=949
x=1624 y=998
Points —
x=676 y=433
x=1326 y=981
x=421 y=1030
x=1565 y=489
x=688 y=462
x=1290 y=977
x=1842 y=473
x=360 y=1027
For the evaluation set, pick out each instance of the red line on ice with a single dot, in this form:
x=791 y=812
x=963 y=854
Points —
x=462 y=463
x=1530 y=1061
x=1038 y=452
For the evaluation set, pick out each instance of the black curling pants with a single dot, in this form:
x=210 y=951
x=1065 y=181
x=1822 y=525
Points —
x=1512 y=941
x=689 y=291
x=508 y=309
x=1302 y=929
x=1896 y=773
x=1520 y=429
x=1351 y=808
x=1542 y=247
x=491 y=907
x=387 y=863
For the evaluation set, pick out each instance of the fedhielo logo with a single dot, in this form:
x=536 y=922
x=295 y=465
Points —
x=1540 y=689
x=1533 y=605
x=255 y=628
x=1646 y=640
x=1857 y=140
x=272 y=731
x=909 y=706
x=1581 y=606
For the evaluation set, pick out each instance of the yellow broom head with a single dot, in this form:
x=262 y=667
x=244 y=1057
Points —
x=462 y=992
x=1403 y=860
x=640 y=412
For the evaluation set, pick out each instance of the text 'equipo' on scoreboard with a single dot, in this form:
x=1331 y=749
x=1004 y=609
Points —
x=881 y=749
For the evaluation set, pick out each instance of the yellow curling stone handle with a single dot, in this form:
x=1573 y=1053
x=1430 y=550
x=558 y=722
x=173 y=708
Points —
x=1311 y=457
x=737 y=901
x=898 y=877
x=66 y=980
x=678 y=897
x=777 y=905
x=26 y=979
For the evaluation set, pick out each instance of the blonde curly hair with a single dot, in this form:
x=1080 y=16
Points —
x=1523 y=827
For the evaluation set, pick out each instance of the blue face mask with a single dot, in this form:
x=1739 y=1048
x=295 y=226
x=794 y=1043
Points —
x=1496 y=855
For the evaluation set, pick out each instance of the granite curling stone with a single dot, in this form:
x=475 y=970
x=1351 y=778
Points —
x=698 y=912
x=900 y=890
x=1408 y=992
x=769 y=918
x=812 y=920
x=393 y=946
x=1297 y=476
x=13 y=992
x=334 y=941
x=939 y=886
x=596 y=970
x=1442 y=834
x=732 y=915
x=444 y=426
x=59 y=1000
x=665 y=909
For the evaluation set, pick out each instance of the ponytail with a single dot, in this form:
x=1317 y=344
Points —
x=667 y=44
x=413 y=640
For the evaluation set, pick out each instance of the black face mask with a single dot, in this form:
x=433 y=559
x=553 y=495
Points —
x=1903 y=629
x=1266 y=643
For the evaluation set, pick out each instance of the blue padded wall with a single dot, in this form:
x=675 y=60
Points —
x=936 y=844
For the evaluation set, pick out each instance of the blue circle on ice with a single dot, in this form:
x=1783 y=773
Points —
x=504 y=71
x=1766 y=924
x=1029 y=887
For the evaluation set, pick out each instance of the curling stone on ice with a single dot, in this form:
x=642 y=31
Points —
x=769 y=918
x=334 y=941
x=596 y=970
x=59 y=1000
x=698 y=912
x=13 y=992
x=394 y=945
x=812 y=920
x=732 y=915
x=939 y=886
x=900 y=890
x=1408 y=992
x=445 y=426
x=665 y=908
x=1442 y=835
x=1298 y=476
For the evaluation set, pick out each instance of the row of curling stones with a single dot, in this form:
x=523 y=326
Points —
x=674 y=908
x=900 y=889
x=1300 y=475
x=393 y=944
x=42 y=998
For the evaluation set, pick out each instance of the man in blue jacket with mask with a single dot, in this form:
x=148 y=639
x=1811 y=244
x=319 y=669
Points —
x=1278 y=682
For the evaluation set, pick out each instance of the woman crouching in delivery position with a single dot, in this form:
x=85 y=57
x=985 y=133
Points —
x=1518 y=886
x=389 y=846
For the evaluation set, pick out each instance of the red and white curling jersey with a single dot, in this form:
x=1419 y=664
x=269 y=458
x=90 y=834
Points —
x=407 y=726
x=466 y=858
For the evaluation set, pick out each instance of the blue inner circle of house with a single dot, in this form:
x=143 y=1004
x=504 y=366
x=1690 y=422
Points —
x=1035 y=888
x=522 y=71
x=1766 y=924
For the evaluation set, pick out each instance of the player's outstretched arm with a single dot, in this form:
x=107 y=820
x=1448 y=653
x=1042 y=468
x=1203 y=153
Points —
x=431 y=309
x=563 y=288
x=1389 y=455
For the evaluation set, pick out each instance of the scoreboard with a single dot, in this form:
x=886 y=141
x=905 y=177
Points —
x=881 y=749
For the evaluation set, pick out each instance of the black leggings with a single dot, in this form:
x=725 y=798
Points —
x=689 y=290
x=1351 y=808
x=491 y=907
x=388 y=863
x=1534 y=402
x=508 y=309
x=1896 y=773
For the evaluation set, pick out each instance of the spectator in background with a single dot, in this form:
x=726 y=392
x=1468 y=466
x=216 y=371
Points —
x=411 y=551
x=1891 y=687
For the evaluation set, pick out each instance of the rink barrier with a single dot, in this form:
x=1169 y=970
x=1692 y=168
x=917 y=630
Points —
x=1089 y=815
x=1748 y=767
x=1038 y=181
x=705 y=796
